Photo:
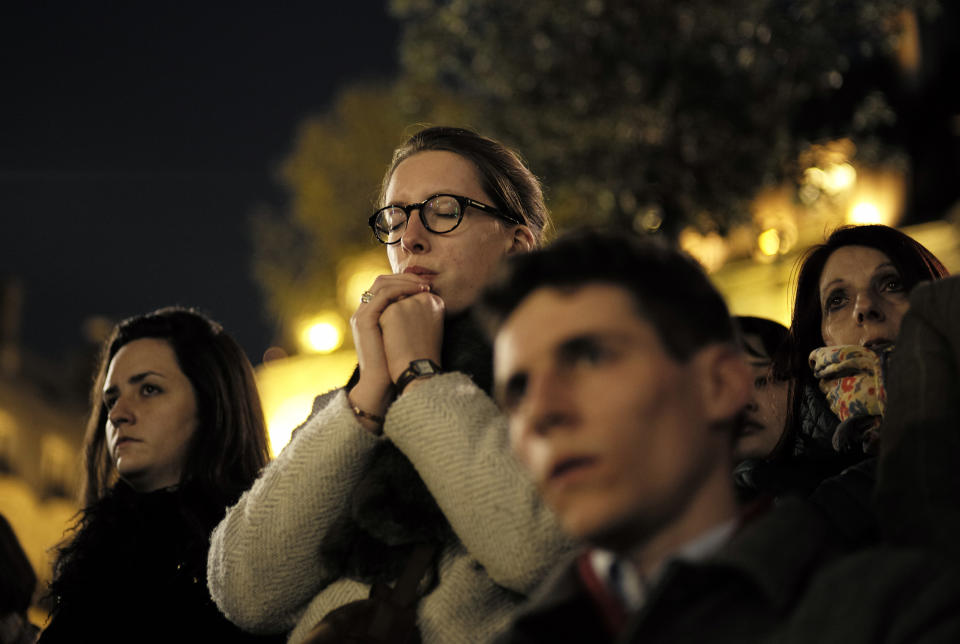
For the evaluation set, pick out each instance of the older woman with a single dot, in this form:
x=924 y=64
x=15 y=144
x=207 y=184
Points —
x=852 y=292
x=175 y=434
x=412 y=456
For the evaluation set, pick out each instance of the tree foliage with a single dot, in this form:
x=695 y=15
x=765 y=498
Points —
x=684 y=108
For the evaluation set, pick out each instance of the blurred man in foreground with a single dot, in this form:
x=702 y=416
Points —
x=618 y=365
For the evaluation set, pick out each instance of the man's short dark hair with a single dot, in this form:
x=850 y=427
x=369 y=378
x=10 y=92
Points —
x=669 y=288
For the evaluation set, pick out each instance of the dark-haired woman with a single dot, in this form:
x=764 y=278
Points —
x=765 y=416
x=412 y=452
x=766 y=413
x=175 y=434
x=852 y=293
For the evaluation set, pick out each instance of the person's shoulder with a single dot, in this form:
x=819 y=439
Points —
x=778 y=547
x=559 y=599
x=885 y=593
x=937 y=294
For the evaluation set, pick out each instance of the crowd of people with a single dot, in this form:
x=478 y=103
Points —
x=542 y=442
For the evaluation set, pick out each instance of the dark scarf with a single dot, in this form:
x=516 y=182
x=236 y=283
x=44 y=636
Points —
x=119 y=533
x=392 y=510
x=136 y=570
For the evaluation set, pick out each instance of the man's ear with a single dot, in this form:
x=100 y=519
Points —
x=522 y=241
x=726 y=382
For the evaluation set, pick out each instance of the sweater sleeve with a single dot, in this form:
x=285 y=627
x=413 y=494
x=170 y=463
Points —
x=456 y=437
x=264 y=566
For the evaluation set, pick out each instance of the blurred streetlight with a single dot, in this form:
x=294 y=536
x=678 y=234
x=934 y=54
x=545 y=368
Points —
x=877 y=198
x=864 y=212
x=322 y=334
x=769 y=242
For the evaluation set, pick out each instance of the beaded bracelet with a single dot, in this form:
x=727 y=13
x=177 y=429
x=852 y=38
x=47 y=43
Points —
x=359 y=413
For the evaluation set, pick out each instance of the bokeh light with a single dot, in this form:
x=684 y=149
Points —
x=839 y=177
x=357 y=274
x=322 y=334
x=769 y=242
x=710 y=250
x=864 y=212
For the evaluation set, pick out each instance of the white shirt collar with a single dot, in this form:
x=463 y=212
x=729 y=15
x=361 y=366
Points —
x=626 y=582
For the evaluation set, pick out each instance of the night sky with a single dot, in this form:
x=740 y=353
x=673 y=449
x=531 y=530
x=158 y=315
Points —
x=138 y=138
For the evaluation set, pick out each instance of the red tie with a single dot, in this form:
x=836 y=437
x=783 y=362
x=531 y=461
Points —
x=609 y=604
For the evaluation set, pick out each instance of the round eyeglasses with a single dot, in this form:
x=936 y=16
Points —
x=439 y=214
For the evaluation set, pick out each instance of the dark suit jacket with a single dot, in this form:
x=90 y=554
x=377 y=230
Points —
x=782 y=579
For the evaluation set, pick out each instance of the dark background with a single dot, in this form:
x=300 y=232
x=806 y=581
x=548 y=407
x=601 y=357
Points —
x=137 y=139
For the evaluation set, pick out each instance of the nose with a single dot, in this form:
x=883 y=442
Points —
x=548 y=405
x=121 y=413
x=752 y=406
x=415 y=238
x=866 y=308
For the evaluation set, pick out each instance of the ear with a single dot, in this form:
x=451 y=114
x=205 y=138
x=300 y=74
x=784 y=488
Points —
x=522 y=240
x=726 y=383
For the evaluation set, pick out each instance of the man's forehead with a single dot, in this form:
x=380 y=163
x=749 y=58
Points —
x=549 y=316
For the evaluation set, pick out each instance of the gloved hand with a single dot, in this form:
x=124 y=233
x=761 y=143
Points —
x=852 y=379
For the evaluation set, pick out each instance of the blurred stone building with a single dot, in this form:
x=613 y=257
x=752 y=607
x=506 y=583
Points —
x=42 y=412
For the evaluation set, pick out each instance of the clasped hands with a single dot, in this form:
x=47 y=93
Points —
x=401 y=322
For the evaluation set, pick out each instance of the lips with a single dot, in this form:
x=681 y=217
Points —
x=123 y=441
x=877 y=344
x=569 y=467
x=419 y=270
x=751 y=427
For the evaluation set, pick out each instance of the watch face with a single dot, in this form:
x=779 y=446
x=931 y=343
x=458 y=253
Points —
x=423 y=366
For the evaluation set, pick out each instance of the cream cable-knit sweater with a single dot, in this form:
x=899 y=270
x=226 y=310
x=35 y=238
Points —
x=264 y=568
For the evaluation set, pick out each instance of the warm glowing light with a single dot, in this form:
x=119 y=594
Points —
x=710 y=250
x=865 y=212
x=839 y=177
x=834 y=179
x=8 y=425
x=322 y=334
x=357 y=283
x=323 y=337
x=357 y=274
x=287 y=415
x=775 y=215
x=288 y=387
x=769 y=242
x=877 y=198
x=814 y=176
x=907 y=48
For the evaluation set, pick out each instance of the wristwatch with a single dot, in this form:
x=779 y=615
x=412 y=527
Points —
x=422 y=368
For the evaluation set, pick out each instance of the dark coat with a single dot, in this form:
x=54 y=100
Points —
x=918 y=488
x=137 y=573
x=780 y=579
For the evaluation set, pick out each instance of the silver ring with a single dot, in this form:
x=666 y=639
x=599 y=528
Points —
x=366 y=297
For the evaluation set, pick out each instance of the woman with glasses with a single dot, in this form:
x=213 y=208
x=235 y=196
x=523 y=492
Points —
x=410 y=461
